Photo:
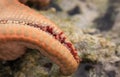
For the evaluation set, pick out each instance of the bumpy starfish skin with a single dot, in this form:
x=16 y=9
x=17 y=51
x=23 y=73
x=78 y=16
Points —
x=21 y=28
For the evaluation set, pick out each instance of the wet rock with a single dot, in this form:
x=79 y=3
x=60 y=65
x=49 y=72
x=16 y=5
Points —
x=100 y=51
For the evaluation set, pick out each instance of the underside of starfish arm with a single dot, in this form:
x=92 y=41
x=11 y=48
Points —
x=22 y=27
x=27 y=36
x=15 y=11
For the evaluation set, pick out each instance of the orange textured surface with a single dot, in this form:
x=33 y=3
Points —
x=32 y=37
x=53 y=49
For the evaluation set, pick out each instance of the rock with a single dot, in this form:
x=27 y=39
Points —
x=99 y=51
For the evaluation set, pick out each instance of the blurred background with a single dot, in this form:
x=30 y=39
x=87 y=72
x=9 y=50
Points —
x=94 y=28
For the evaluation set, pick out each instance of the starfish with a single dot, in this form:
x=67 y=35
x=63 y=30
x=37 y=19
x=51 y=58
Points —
x=22 y=27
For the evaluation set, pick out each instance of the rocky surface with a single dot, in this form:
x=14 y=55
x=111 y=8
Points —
x=93 y=27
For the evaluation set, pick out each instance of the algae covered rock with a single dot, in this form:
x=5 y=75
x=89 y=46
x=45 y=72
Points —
x=100 y=53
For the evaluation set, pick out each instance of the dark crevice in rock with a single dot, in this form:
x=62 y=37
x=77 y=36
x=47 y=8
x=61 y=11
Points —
x=106 y=22
x=48 y=66
x=117 y=64
x=83 y=0
x=29 y=3
x=38 y=5
x=111 y=74
x=74 y=11
x=56 y=6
